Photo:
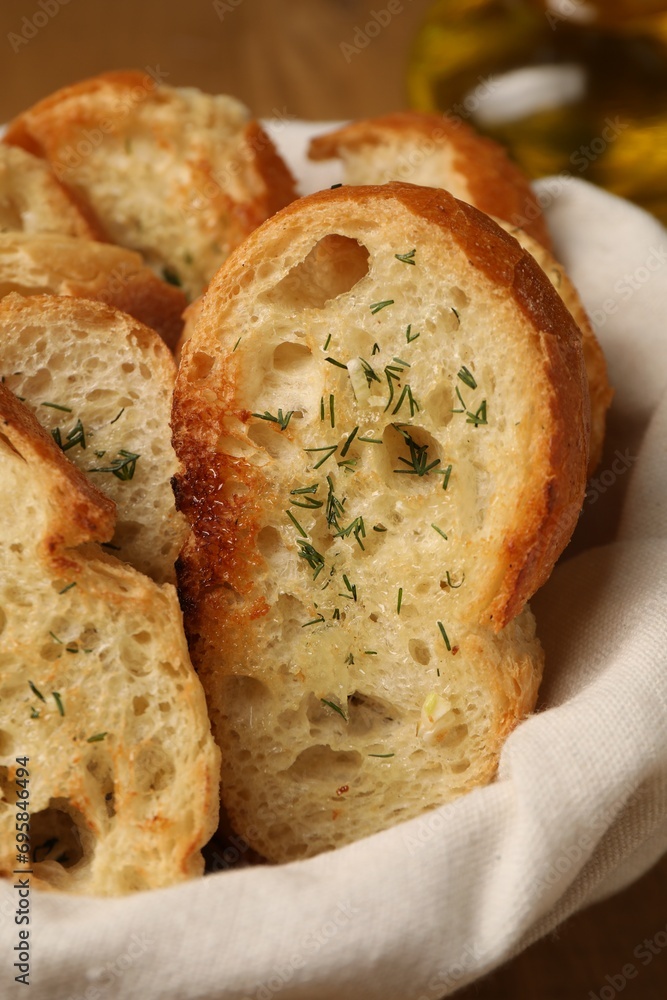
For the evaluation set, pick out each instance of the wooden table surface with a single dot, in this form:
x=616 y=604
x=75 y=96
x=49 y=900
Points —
x=284 y=56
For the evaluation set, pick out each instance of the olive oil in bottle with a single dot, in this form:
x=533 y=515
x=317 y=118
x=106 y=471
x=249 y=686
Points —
x=568 y=86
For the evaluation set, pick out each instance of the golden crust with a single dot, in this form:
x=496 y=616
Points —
x=79 y=511
x=91 y=270
x=32 y=200
x=496 y=185
x=219 y=173
x=130 y=804
x=270 y=638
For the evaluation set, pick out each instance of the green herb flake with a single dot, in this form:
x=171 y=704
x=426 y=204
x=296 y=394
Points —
x=382 y=755
x=330 y=449
x=56 y=406
x=440 y=531
x=68 y=587
x=335 y=507
x=56 y=639
x=444 y=636
x=59 y=702
x=171 y=276
x=281 y=420
x=314 y=558
x=122 y=468
x=313 y=621
x=332 y=413
x=369 y=440
x=335 y=707
x=479 y=417
x=37 y=693
x=379 y=527
x=355 y=528
x=418 y=464
x=370 y=652
x=376 y=349
x=296 y=524
x=118 y=416
x=349 y=659
x=326 y=343
x=351 y=587
x=236 y=344
x=375 y=307
x=454 y=586
x=34 y=714
x=97 y=738
x=351 y=437
x=338 y=364
x=414 y=405
x=467 y=377
x=406 y=258
x=409 y=336
x=399 y=601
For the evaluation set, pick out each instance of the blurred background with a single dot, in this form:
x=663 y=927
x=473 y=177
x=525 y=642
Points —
x=318 y=60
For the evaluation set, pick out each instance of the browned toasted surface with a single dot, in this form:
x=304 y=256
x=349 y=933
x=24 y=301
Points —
x=494 y=183
x=178 y=175
x=64 y=265
x=96 y=686
x=32 y=200
x=294 y=605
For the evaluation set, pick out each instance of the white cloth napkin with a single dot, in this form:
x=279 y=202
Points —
x=579 y=808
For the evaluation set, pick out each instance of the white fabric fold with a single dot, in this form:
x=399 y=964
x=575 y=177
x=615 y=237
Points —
x=579 y=808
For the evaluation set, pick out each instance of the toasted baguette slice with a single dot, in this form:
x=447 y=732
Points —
x=436 y=151
x=33 y=201
x=97 y=689
x=383 y=420
x=599 y=390
x=102 y=383
x=84 y=269
x=176 y=174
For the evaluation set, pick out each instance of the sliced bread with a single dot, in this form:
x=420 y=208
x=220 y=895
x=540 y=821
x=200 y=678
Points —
x=436 y=151
x=176 y=174
x=102 y=383
x=383 y=419
x=105 y=737
x=32 y=264
x=33 y=201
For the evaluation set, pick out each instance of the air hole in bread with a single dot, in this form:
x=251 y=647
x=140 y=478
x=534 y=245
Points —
x=453 y=737
x=458 y=298
x=234 y=447
x=37 y=385
x=11 y=218
x=419 y=651
x=333 y=267
x=154 y=768
x=366 y=712
x=269 y=437
x=242 y=694
x=6 y=743
x=127 y=366
x=55 y=837
x=134 y=658
x=200 y=366
x=439 y=404
x=292 y=357
x=269 y=542
x=100 y=768
x=408 y=453
x=321 y=763
x=139 y=704
x=458 y=767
